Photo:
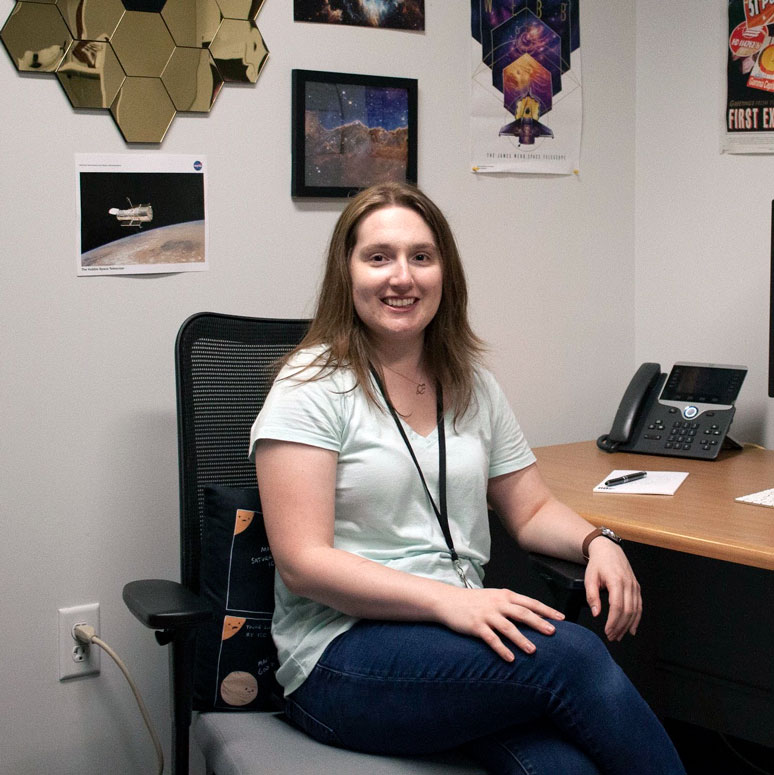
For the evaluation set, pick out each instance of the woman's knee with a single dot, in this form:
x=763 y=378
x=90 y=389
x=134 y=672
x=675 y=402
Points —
x=581 y=659
x=580 y=645
x=600 y=678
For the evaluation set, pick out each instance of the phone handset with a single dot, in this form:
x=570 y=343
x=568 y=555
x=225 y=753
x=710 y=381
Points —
x=631 y=405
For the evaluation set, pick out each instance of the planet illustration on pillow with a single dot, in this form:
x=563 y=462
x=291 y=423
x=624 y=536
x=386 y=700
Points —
x=232 y=625
x=239 y=688
x=243 y=520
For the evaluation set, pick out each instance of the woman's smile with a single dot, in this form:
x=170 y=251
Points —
x=391 y=302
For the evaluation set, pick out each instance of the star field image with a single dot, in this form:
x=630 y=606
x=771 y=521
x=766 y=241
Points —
x=355 y=134
x=339 y=104
x=395 y=14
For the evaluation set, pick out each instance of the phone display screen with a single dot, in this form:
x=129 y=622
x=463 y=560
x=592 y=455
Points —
x=703 y=384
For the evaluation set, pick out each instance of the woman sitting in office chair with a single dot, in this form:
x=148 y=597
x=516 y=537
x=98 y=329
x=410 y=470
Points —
x=377 y=450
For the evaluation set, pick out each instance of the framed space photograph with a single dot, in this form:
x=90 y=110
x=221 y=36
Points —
x=352 y=131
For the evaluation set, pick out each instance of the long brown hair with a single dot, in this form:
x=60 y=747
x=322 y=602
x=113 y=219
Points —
x=451 y=349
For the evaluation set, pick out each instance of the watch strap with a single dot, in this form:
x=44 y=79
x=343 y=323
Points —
x=588 y=539
x=600 y=531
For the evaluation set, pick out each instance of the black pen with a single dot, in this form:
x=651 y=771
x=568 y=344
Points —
x=626 y=478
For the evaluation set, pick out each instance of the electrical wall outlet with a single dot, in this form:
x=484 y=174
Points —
x=75 y=658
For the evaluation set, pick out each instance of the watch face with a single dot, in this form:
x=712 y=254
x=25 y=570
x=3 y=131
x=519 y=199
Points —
x=608 y=533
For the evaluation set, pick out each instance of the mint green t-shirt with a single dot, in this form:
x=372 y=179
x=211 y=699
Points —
x=382 y=510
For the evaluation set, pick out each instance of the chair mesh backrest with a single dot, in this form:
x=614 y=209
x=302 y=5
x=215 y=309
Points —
x=225 y=367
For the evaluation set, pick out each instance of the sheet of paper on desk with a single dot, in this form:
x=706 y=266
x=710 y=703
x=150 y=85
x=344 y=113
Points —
x=655 y=483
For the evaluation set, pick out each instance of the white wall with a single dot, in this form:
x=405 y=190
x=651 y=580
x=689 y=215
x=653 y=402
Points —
x=88 y=460
x=703 y=219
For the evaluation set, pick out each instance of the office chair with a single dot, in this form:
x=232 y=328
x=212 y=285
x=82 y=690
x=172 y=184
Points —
x=217 y=619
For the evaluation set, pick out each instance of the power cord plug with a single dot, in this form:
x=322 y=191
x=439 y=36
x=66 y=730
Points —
x=85 y=634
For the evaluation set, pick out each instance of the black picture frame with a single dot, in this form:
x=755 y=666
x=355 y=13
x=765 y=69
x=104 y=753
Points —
x=339 y=120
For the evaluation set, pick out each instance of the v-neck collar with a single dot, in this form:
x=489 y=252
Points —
x=415 y=434
x=431 y=436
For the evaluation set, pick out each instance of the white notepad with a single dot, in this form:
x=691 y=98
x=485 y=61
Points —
x=655 y=483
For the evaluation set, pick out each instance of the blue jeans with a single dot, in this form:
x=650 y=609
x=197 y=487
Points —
x=414 y=688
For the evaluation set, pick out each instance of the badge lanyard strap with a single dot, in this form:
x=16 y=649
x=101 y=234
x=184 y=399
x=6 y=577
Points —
x=441 y=514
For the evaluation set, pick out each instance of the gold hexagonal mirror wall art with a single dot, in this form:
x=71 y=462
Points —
x=143 y=60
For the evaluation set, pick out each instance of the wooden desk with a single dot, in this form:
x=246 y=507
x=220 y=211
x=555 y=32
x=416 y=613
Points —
x=701 y=518
x=703 y=652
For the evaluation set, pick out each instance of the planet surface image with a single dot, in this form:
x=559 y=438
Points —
x=180 y=243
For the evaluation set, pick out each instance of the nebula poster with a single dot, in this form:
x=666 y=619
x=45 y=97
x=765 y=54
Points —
x=527 y=106
x=395 y=14
x=351 y=131
x=749 y=119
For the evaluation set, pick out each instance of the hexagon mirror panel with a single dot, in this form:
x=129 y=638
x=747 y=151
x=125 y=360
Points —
x=142 y=44
x=143 y=110
x=192 y=22
x=36 y=37
x=90 y=74
x=143 y=59
x=192 y=80
x=239 y=51
x=240 y=9
x=91 y=19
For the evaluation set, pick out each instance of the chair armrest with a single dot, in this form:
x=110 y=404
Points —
x=165 y=605
x=565 y=580
x=174 y=612
x=562 y=573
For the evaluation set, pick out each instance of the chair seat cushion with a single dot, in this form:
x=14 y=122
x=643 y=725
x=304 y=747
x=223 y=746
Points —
x=260 y=743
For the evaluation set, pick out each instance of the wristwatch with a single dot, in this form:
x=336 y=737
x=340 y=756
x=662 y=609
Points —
x=600 y=531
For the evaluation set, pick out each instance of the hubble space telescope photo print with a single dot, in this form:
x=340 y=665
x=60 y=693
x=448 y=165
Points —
x=140 y=221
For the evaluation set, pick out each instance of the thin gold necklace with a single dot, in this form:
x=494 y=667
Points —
x=421 y=386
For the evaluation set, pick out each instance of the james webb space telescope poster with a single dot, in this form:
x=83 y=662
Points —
x=526 y=102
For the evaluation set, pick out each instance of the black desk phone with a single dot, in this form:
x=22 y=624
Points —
x=685 y=414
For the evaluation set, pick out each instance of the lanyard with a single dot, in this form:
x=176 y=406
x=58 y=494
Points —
x=440 y=513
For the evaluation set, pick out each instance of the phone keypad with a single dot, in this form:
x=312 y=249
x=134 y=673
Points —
x=702 y=437
x=684 y=434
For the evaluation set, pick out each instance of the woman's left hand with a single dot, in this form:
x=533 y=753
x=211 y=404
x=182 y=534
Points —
x=540 y=523
x=609 y=569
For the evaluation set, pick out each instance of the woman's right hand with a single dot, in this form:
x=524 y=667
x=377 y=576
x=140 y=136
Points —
x=491 y=613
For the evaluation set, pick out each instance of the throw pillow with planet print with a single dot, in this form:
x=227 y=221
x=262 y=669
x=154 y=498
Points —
x=245 y=670
x=235 y=655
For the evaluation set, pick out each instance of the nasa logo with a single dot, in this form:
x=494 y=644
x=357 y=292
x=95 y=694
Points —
x=197 y=165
